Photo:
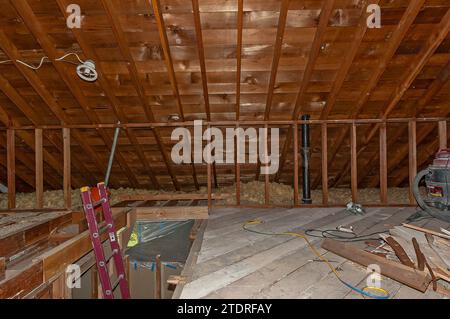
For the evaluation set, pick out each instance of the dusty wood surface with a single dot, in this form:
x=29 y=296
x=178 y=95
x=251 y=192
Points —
x=232 y=263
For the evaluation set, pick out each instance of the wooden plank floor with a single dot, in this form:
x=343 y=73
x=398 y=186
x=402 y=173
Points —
x=233 y=263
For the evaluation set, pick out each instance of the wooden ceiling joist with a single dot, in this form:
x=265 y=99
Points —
x=276 y=56
x=434 y=40
x=402 y=153
x=36 y=119
x=33 y=79
x=242 y=64
x=325 y=15
x=394 y=42
x=239 y=27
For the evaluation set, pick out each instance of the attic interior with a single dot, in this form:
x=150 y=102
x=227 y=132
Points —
x=338 y=108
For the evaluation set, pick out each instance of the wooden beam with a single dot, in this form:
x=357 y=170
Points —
x=402 y=153
x=325 y=15
x=325 y=192
x=67 y=170
x=240 y=25
x=443 y=138
x=168 y=197
x=435 y=39
x=296 y=166
x=113 y=16
x=276 y=56
x=2 y=267
x=39 y=169
x=167 y=54
x=383 y=165
x=171 y=213
x=37 y=84
x=11 y=160
x=57 y=259
x=354 y=163
x=158 y=281
x=348 y=60
x=209 y=186
x=201 y=56
x=412 y=142
x=237 y=170
x=399 y=33
x=413 y=278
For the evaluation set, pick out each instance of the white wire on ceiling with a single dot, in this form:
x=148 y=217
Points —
x=85 y=69
x=61 y=59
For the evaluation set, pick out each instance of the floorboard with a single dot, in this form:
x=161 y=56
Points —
x=234 y=263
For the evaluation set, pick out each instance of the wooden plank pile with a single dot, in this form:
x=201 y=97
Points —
x=414 y=256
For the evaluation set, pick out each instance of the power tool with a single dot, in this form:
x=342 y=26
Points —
x=436 y=202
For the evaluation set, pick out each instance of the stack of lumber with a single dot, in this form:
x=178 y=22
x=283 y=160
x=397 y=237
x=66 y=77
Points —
x=414 y=256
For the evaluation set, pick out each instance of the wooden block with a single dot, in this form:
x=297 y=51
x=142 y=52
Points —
x=2 y=267
x=168 y=197
x=413 y=278
x=171 y=213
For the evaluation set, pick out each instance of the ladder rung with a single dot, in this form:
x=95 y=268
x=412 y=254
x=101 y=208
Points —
x=99 y=203
x=117 y=282
x=112 y=256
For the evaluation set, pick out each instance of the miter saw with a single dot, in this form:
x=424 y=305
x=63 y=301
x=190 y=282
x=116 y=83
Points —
x=436 y=202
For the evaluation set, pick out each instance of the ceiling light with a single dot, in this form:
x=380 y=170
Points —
x=174 y=118
x=86 y=71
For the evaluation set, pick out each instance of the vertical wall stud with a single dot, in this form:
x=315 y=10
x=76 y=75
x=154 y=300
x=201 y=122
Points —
x=383 y=165
x=39 y=162
x=11 y=166
x=443 y=138
x=354 y=163
x=412 y=138
x=325 y=192
x=67 y=170
x=296 y=163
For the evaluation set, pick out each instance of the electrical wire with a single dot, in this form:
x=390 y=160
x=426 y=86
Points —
x=41 y=62
x=363 y=292
x=340 y=235
x=31 y=66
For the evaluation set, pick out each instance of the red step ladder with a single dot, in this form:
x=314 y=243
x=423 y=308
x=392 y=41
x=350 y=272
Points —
x=89 y=209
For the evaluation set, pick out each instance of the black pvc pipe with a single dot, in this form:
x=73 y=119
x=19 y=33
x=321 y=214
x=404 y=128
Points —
x=306 y=155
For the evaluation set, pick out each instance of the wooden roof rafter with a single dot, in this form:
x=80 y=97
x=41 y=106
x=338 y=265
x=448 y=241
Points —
x=439 y=33
x=25 y=11
x=13 y=53
x=201 y=54
x=37 y=120
x=103 y=83
x=167 y=54
x=239 y=27
x=402 y=153
x=397 y=36
x=113 y=17
x=325 y=14
x=348 y=61
x=284 y=9
x=24 y=157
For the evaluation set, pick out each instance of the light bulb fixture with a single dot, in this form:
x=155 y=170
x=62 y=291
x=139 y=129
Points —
x=87 y=72
x=85 y=69
x=174 y=118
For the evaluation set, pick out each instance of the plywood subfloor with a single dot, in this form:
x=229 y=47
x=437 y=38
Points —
x=228 y=262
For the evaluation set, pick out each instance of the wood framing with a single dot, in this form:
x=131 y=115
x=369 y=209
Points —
x=39 y=163
x=412 y=138
x=171 y=213
x=67 y=170
x=11 y=160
